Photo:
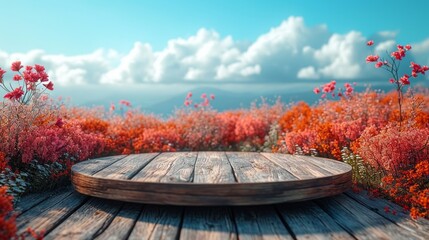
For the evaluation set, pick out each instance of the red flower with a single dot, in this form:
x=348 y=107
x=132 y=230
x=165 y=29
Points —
x=379 y=64
x=17 y=77
x=59 y=123
x=370 y=43
x=212 y=96
x=391 y=80
x=405 y=79
x=372 y=58
x=2 y=72
x=16 y=66
x=408 y=47
x=15 y=94
x=39 y=68
x=398 y=55
x=187 y=103
x=49 y=86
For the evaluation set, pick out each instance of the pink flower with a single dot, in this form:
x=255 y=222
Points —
x=187 y=103
x=212 y=96
x=49 y=86
x=112 y=107
x=391 y=80
x=189 y=95
x=17 y=77
x=379 y=64
x=370 y=43
x=125 y=103
x=16 y=94
x=372 y=58
x=16 y=66
x=316 y=90
x=323 y=95
x=408 y=47
x=203 y=95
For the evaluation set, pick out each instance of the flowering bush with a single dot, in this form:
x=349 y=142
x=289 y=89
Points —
x=28 y=81
x=391 y=65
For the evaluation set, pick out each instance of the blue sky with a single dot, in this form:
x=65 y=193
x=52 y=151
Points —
x=134 y=45
x=80 y=26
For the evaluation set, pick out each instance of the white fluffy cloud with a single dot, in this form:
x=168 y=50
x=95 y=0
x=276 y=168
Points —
x=286 y=53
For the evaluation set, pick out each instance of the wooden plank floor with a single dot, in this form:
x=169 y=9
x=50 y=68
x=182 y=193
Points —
x=66 y=214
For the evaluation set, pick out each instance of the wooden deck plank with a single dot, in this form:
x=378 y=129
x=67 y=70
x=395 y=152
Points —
x=158 y=223
x=93 y=166
x=361 y=222
x=400 y=217
x=298 y=167
x=253 y=167
x=309 y=221
x=126 y=167
x=122 y=224
x=169 y=167
x=29 y=201
x=213 y=167
x=87 y=221
x=49 y=213
x=259 y=223
x=207 y=223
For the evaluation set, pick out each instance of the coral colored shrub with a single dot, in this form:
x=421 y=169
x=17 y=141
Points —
x=50 y=144
x=391 y=149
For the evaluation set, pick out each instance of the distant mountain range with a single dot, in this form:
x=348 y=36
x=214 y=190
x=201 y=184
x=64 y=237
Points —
x=225 y=99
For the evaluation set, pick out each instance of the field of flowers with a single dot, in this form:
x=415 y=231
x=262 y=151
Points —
x=387 y=144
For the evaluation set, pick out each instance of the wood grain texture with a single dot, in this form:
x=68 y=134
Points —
x=330 y=165
x=126 y=167
x=250 y=167
x=29 y=201
x=49 y=213
x=297 y=166
x=259 y=223
x=88 y=221
x=309 y=221
x=158 y=223
x=169 y=167
x=208 y=223
x=208 y=179
x=361 y=222
x=93 y=166
x=122 y=224
x=395 y=214
x=339 y=217
x=213 y=167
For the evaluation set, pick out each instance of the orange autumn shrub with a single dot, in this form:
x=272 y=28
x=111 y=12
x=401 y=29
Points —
x=164 y=138
x=7 y=222
x=410 y=189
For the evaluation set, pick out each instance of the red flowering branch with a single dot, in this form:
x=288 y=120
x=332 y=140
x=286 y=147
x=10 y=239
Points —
x=392 y=64
x=28 y=82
